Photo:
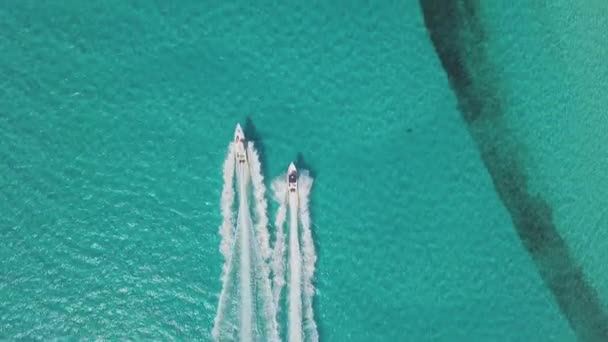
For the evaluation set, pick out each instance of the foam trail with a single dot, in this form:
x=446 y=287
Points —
x=309 y=257
x=267 y=322
x=263 y=238
x=227 y=227
x=279 y=187
x=246 y=309
x=260 y=203
x=295 y=274
x=220 y=326
x=226 y=232
x=249 y=311
x=246 y=284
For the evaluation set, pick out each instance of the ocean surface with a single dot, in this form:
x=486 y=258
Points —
x=115 y=118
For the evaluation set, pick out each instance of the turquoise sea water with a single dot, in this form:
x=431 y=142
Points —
x=114 y=123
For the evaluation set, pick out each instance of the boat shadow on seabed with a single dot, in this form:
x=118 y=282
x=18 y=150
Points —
x=457 y=36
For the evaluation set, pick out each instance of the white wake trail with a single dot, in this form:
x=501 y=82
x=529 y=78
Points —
x=263 y=237
x=266 y=322
x=246 y=310
x=295 y=274
x=246 y=284
x=308 y=255
x=226 y=230
x=261 y=206
x=227 y=227
x=279 y=187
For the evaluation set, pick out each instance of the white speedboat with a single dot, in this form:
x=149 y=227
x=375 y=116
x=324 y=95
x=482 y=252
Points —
x=292 y=178
x=239 y=145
